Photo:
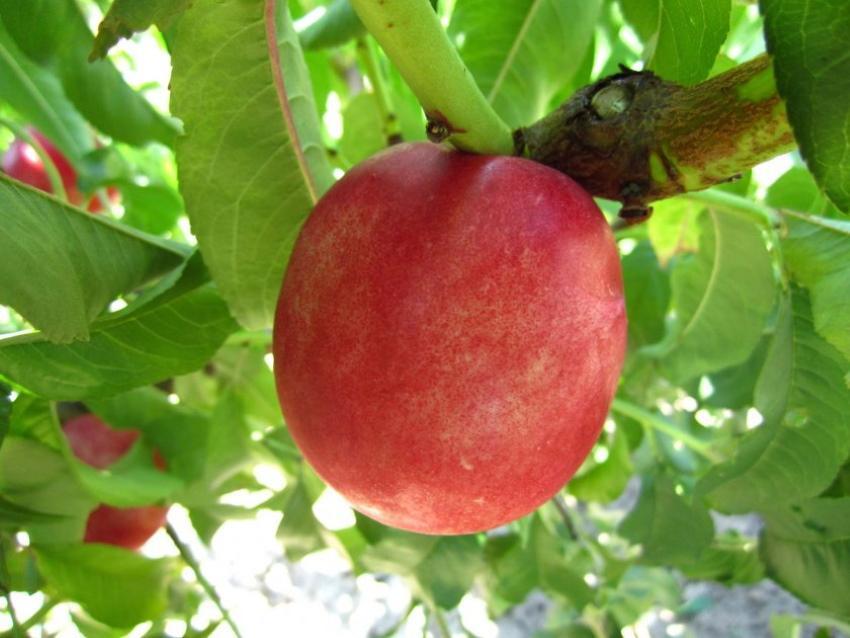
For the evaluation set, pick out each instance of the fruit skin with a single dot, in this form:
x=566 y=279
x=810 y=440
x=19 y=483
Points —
x=98 y=445
x=21 y=162
x=449 y=336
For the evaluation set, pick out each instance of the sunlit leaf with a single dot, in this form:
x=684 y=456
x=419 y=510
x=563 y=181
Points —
x=60 y=266
x=525 y=52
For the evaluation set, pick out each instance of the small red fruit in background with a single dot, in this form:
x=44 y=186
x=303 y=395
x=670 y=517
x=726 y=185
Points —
x=21 y=162
x=449 y=336
x=98 y=445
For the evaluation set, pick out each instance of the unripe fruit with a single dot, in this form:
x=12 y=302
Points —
x=98 y=445
x=449 y=336
x=21 y=162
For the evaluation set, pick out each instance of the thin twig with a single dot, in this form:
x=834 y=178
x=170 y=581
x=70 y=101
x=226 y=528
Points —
x=657 y=422
x=442 y=626
x=389 y=120
x=193 y=564
x=564 y=510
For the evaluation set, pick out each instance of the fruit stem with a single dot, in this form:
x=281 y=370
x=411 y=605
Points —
x=442 y=626
x=192 y=562
x=49 y=167
x=635 y=138
x=456 y=108
x=389 y=120
x=659 y=423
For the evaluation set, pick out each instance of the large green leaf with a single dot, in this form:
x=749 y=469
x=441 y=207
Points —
x=808 y=42
x=605 y=481
x=817 y=251
x=54 y=33
x=670 y=530
x=170 y=331
x=807 y=550
x=243 y=175
x=36 y=94
x=798 y=191
x=683 y=37
x=722 y=298
x=60 y=266
x=126 y=17
x=116 y=586
x=524 y=53
x=805 y=438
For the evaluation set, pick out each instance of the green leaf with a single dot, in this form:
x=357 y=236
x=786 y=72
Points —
x=674 y=228
x=5 y=410
x=37 y=96
x=647 y=289
x=338 y=25
x=126 y=17
x=362 y=129
x=37 y=478
x=671 y=530
x=297 y=87
x=734 y=387
x=116 y=586
x=722 y=298
x=54 y=33
x=13 y=515
x=805 y=438
x=605 y=481
x=242 y=175
x=730 y=559
x=807 y=550
x=152 y=208
x=817 y=252
x=812 y=67
x=60 y=266
x=797 y=190
x=299 y=530
x=683 y=37
x=170 y=331
x=517 y=564
x=640 y=589
x=441 y=569
x=525 y=53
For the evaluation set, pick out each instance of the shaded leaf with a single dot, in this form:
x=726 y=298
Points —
x=647 y=289
x=299 y=530
x=60 y=266
x=441 y=569
x=734 y=387
x=54 y=33
x=671 y=530
x=807 y=40
x=37 y=478
x=116 y=586
x=241 y=172
x=817 y=252
x=722 y=298
x=805 y=438
x=807 y=550
x=36 y=94
x=169 y=331
x=525 y=53
x=605 y=481
x=797 y=190
x=338 y=25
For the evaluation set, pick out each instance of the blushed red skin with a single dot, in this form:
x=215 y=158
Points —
x=449 y=337
x=98 y=445
x=21 y=162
